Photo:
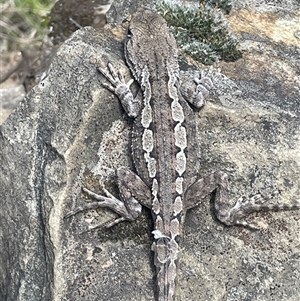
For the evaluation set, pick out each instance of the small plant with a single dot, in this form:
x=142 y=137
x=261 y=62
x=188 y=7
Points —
x=201 y=31
x=23 y=21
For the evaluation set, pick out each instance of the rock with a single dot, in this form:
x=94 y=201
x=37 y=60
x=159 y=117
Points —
x=70 y=132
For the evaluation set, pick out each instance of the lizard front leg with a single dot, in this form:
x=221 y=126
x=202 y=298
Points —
x=225 y=212
x=131 y=105
x=195 y=86
x=133 y=193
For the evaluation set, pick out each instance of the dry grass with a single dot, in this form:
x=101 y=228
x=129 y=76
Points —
x=23 y=23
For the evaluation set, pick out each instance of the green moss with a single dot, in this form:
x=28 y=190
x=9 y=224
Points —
x=201 y=31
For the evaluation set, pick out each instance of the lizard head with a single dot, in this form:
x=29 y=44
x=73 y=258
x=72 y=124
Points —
x=149 y=43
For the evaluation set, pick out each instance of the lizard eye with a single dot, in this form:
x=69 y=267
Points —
x=129 y=33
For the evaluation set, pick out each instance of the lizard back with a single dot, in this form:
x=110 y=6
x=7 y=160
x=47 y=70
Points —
x=164 y=144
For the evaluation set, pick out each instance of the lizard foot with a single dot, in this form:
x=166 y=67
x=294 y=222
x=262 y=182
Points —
x=131 y=105
x=109 y=201
x=243 y=207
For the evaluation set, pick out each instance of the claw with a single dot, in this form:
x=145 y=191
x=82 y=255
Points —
x=111 y=70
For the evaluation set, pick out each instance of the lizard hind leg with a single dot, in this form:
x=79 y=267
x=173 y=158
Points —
x=128 y=206
x=244 y=207
x=225 y=212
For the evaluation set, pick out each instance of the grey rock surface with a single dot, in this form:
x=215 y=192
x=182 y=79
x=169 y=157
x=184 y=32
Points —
x=70 y=132
x=268 y=6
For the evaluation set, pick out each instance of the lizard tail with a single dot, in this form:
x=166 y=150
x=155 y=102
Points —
x=166 y=260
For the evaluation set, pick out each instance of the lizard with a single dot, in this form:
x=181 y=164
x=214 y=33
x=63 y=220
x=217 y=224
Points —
x=165 y=149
